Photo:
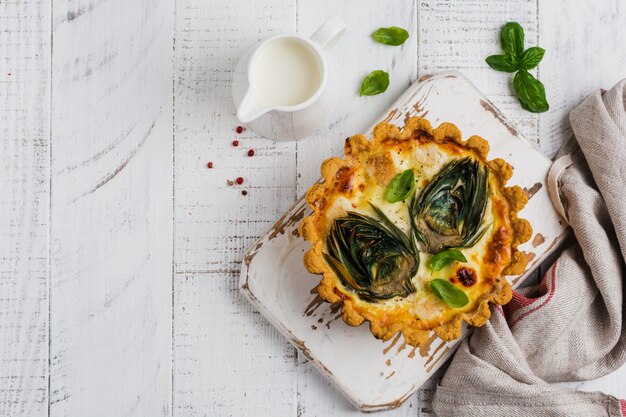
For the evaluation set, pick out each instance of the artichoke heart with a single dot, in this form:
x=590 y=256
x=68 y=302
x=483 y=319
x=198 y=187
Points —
x=372 y=257
x=449 y=212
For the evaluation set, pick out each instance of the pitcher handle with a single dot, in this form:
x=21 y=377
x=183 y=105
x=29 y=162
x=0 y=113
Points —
x=329 y=32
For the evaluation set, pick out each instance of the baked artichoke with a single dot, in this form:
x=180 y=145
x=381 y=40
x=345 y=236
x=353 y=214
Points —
x=372 y=257
x=449 y=212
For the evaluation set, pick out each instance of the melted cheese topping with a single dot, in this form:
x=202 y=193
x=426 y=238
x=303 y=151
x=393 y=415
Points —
x=426 y=160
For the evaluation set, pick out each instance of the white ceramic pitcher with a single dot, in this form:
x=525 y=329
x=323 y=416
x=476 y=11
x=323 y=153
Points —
x=283 y=88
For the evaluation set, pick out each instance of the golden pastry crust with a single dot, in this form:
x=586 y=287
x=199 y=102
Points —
x=371 y=165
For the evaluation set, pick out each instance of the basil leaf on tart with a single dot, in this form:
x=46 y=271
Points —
x=400 y=187
x=444 y=258
x=450 y=294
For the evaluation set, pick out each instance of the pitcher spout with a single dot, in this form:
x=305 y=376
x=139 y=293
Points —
x=249 y=109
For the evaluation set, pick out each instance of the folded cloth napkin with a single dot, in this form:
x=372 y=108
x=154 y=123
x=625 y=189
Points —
x=570 y=327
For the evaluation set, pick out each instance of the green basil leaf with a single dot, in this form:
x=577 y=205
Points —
x=375 y=83
x=400 y=186
x=444 y=258
x=391 y=36
x=531 y=57
x=450 y=294
x=512 y=39
x=506 y=63
x=530 y=91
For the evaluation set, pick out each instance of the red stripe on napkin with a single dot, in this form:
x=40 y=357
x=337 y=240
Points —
x=518 y=301
x=552 y=289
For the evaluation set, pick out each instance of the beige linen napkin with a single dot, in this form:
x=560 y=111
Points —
x=569 y=328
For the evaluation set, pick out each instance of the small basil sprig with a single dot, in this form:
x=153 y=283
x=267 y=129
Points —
x=375 y=83
x=450 y=294
x=444 y=258
x=391 y=36
x=530 y=91
x=400 y=187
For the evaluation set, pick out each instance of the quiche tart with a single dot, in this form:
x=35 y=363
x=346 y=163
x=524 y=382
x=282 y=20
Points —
x=414 y=231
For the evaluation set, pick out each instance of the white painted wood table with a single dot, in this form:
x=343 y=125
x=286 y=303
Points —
x=120 y=250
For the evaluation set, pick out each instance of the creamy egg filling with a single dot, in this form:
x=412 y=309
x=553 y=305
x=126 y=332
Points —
x=427 y=161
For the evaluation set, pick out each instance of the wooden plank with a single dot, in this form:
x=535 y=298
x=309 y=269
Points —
x=352 y=58
x=584 y=43
x=111 y=212
x=228 y=360
x=24 y=207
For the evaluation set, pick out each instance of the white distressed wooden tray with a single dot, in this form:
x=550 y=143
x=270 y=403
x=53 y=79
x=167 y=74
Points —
x=372 y=374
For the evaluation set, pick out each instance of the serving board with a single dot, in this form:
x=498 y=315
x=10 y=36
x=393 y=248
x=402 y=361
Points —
x=376 y=375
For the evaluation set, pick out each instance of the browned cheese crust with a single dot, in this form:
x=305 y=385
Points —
x=370 y=162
